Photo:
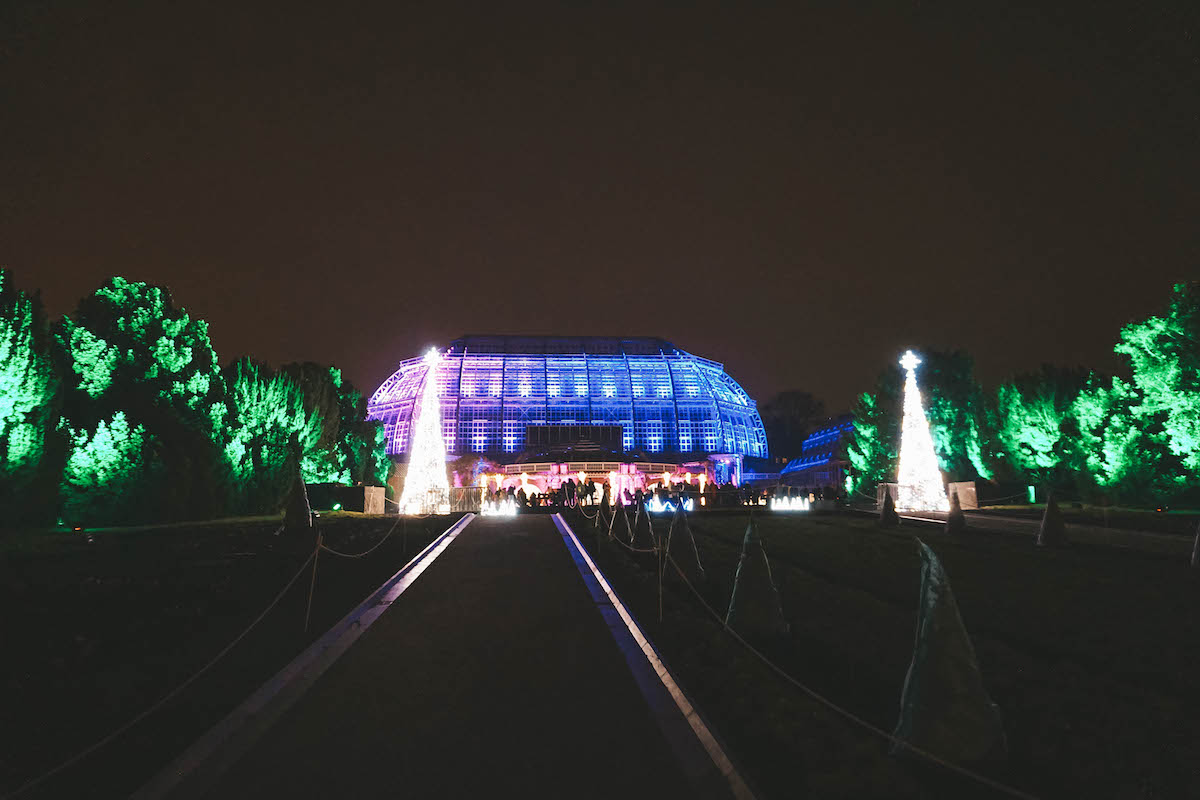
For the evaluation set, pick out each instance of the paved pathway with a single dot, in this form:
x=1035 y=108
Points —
x=492 y=675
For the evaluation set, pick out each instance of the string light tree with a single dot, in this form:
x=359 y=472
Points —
x=427 y=487
x=919 y=483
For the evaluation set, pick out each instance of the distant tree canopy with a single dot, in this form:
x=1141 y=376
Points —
x=1133 y=441
x=123 y=405
x=788 y=418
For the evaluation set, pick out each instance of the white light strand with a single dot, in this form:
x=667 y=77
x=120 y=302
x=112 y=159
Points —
x=427 y=487
x=919 y=481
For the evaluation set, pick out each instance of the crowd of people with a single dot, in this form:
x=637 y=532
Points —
x=572 y=494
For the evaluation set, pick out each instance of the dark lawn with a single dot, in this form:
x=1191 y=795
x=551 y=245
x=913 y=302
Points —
x=1088 y=651
x=1180 y=522
x=96 y=632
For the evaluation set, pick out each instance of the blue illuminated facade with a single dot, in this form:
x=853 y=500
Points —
x=822 y=460
x=492 y=387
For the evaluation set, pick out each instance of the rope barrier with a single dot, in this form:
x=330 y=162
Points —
x=991 y=500
x=87 y=751
x=411 y=516
x=633 y=549
x=372 y=549
x=628 y=547
x=849 y=715
x=1009 y=497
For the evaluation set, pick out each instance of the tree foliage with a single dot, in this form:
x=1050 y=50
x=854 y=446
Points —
x=1114 y=454
x=1138 y=441
x=1134 y=441
x=127 y=349
x=958 y=415
x=108 y=474
x=271 y=432
x=788 y=418
x=874 y=448
x=350 y=448
x=123 y=405
x=1165 y=358
x=29 y=397
x=1032 y=412
x=130 y=349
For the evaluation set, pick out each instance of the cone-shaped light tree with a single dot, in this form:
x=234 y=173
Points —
x=426 y=487
x=919 y=481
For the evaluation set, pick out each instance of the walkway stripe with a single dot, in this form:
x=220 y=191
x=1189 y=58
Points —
x=227 y=741
x=640 y=653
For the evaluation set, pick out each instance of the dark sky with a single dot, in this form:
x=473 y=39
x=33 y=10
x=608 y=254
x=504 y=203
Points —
x=800 y=191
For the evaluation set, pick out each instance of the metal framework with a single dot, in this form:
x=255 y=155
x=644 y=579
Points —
x=491 y=387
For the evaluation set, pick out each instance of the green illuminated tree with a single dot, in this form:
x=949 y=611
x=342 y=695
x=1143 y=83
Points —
x=270 y=432
x=29 y=399
x=1031 y=412
x=1114 y=451
x=127 y=349
x=360 y=440
x=958 y=415
x=108 y=476
x=350 y=447
x=874 y=448
x=322 y=461
x=1165 y=358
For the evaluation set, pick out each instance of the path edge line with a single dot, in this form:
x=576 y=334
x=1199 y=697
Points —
x=699 y=727
x=207 y=758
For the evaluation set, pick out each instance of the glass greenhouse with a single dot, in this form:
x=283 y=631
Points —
x=492 y=388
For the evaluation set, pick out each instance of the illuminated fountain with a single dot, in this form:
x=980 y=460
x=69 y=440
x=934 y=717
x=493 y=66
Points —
x=426 y=487
x=789 y=504
x=656 y=505
x=919 y=483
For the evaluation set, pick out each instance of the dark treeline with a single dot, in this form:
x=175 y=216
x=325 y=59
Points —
x=121 y=413
x=1089 y=436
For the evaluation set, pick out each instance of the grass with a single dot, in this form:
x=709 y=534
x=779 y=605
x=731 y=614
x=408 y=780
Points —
x=1088 y=651
x=96 y=631
x=1169 y=520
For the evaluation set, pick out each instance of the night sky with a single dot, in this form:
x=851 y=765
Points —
x=799 y=192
